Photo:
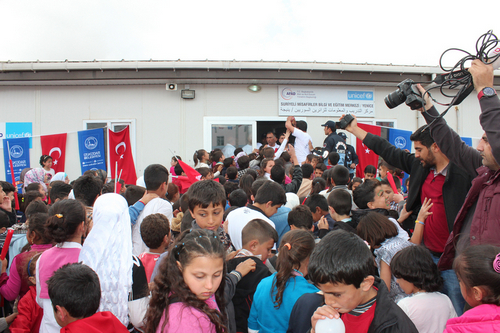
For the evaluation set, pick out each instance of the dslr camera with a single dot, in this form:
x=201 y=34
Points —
x=342 y=124
x=407 y=92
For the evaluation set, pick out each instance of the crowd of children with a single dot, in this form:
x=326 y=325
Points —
x=239 y=250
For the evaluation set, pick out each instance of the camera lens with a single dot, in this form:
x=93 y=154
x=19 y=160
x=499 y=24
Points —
x=394 y=99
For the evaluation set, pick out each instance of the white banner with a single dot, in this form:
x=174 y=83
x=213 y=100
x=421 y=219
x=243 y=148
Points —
x=325 y=101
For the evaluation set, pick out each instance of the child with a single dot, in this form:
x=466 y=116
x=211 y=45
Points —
x=276 y=295
x=46 y=163
x=258 y=239
x=392 y=198
x=173 y=163
x=355 y=182
x=201 y=158
x=300 y=217
x=478 y=271
x=232 y=175
x=188 y=293
x=382 y=236
x=155 y=233
x=75 y=293
x=342 y=267
x=265 y=167
x=30 y=313
x=319 y=169
x=418 y=275
x=207 y=200
x=339 y=207
x=370 y=172
x=66 y=226
x=18 y=284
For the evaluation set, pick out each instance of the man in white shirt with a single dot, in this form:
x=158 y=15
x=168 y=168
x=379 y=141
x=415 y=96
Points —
x=272 y=141
x=156 y=179
x=303 y=141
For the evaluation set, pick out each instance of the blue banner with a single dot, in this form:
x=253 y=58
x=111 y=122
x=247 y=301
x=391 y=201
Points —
x=467 y=141
x=91 y=147
x=20 y=155
x=401 y=139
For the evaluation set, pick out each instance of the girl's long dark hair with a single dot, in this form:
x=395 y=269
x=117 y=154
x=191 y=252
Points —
x=295 y=247
x=169 y=285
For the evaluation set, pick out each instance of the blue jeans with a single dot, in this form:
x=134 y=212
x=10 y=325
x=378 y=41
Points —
x=451 y=288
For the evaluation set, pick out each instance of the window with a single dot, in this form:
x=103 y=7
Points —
x=220 y=141
x=115 y=126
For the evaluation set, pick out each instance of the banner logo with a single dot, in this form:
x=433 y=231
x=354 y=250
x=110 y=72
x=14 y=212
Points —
x=287 y=93
x=91 y=143
x=16 y=151
x=400 y=142
x=360 y=95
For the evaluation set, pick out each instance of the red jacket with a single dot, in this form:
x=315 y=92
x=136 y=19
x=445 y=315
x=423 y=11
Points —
x=101 y=322
x=30 y=314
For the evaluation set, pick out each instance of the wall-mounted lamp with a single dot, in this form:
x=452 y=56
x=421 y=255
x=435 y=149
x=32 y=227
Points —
x=187 y=94
x=254 y=88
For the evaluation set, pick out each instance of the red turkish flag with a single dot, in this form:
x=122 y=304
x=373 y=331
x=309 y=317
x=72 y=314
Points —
x=120 y=150
x=184 y=182
x=366 y=156
x=55 y=147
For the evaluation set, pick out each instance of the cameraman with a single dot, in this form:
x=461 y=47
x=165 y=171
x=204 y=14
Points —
x=433 y=176
x=478 y=221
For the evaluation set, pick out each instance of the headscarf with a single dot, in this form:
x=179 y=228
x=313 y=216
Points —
x=36 y=175
x=108 y=251
x=60 y=176
x=242 y=153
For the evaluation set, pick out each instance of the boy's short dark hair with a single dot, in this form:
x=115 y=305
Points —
x=340 y=200
x=87 y=188
x=7 y=187
x=257 y=184
x=340 y=175
x=203 y=171
x=310 y=157
x=229 y=187
x=260 y=230
x=278 y=173
x=237 y=151
x=76 y=288
x=330 y=263
x=228 y=161
x=423 y=135
x=321 y=166
x=35 y=207
x=154 y=176
x=415 y=265
x=4 y=220
x=244 y=162
x=178 y=169
x=316 y=200
x=307 y=170
x=270 y=191
x=154 y=228
x=365 y=193
x=232 y=173
x=370 y=169
x=286 y=156
x=184 y=203
x=59 y=190
x=33 y=187
x=134 y=193
x=238 y=198
x=302 y=125
x=333 y=158
x=300 y=217
x=205 y=192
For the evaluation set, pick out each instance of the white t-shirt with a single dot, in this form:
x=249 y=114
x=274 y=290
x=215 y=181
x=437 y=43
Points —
x=238 y=219
x=156 y=205
x=301 y=144
x=428 y=311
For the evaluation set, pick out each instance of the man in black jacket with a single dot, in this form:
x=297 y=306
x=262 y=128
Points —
x=433 y=176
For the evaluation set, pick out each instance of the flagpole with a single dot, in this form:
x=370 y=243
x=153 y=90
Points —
x=116 y=182
x=13 y=177
x=116 y=174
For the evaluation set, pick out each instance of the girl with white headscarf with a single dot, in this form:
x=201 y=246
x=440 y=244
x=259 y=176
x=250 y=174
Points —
x=60 y=176
x=108 y=251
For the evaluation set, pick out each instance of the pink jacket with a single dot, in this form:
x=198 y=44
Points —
x=481 y=319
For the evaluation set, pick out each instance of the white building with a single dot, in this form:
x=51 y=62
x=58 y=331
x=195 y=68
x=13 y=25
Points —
x=59 y=97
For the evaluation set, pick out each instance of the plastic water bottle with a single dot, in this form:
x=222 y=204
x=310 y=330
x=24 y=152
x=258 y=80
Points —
x=330 y=326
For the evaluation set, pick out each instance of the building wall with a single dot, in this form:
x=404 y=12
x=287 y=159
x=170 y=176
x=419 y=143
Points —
x=165 y=122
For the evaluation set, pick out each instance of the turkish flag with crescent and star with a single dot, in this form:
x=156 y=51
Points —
x=120 y=151
x=55 y=147
x=366 y=156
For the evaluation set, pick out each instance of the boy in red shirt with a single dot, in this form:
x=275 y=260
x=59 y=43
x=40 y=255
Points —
x=75 y=293
x=155 y=233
